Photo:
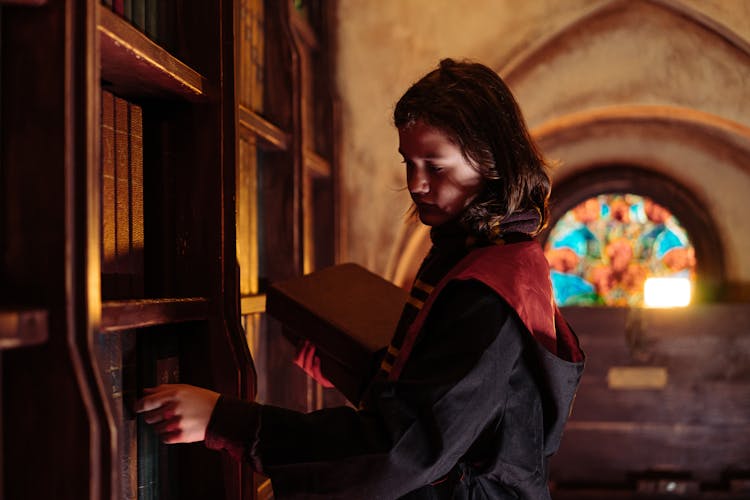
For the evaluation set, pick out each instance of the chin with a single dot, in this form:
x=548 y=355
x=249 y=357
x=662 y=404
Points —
x=432 y=219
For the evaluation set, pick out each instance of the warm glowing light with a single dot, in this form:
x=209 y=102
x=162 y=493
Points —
x=666 y=292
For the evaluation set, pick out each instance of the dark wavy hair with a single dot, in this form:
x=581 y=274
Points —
x=475 y=108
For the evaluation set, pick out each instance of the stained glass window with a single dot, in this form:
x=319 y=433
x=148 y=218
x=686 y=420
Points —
x=602 y=251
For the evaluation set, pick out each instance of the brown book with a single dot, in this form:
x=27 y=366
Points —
x=122 y=197
x=136 y=200
x=109 y=253
x=349 y=314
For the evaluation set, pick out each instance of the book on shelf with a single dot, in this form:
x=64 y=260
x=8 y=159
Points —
x=122 y=198
x=158 y=363
x=347 y=312
x=154 y=18
x=118 y=366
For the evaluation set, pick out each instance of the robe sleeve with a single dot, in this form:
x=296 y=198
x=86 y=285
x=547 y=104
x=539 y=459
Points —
x=414 y=430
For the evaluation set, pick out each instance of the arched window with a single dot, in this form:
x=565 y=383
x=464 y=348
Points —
x=603 y=251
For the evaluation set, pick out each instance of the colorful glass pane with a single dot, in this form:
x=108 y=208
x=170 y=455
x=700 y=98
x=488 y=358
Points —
x=602 y=251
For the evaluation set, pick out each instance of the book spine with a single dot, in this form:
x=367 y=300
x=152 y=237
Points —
x=152 y=19
x=109 y=252
x=159 y=363
x=122 y=197
x=119 y=7
x=116 y=354
x=139 y=14
x=137 y=242
x=128 y=10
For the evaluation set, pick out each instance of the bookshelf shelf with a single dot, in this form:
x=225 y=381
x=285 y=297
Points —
x=128 y=314
x=316 y=164
x=132 y=65
x=22 y=327
x=272 y=135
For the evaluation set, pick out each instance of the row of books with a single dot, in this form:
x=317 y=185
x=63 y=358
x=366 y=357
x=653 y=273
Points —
x=129 y=361
x=155 y=18
x=122 y=198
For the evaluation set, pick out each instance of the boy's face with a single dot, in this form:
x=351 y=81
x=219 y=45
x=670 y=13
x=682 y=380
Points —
x=440 y=180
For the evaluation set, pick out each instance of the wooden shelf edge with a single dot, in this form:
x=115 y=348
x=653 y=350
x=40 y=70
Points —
x=253 y=304
x=272 y=135
x=23 y=327
x=135 y=66
x=316 y=164
x=128 y=314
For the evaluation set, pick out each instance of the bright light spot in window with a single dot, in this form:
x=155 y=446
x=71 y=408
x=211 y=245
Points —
x=666 y=292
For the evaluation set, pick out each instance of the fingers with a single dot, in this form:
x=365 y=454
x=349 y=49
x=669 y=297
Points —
x=164 y=412
x=179 y=413
x=168 y=426
x=310 y=356
x=155 y=397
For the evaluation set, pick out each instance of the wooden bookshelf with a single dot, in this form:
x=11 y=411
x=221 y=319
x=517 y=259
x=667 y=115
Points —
x=134 y=65
x=129 y=314
x=316 y=165
x=272 y=135
x=147 y=154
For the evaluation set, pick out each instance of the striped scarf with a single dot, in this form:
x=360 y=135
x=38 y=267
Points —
x=450 y=243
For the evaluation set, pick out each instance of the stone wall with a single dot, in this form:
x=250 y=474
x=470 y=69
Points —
x=656 y=84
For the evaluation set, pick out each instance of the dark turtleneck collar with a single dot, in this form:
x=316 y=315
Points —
x=453 y=235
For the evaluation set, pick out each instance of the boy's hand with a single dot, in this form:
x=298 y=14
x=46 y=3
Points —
x=179 y=413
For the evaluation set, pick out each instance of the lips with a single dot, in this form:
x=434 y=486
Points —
x=429 y=210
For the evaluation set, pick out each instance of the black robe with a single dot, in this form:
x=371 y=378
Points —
x=475 y=412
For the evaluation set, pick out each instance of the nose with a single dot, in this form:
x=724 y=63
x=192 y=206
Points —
x=417 y=182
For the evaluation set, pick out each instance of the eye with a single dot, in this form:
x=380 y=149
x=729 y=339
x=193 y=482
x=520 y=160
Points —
x=408 y=163
x=435 y=169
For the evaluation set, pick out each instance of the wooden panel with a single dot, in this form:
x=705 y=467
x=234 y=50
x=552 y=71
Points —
x=697 y=422
x=613 y=452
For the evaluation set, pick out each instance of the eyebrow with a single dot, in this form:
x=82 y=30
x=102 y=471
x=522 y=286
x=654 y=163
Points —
x=431 y=156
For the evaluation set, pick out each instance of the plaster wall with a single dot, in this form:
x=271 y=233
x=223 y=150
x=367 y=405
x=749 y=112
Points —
x=613 y=54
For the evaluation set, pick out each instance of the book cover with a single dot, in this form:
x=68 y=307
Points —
x=348 y=312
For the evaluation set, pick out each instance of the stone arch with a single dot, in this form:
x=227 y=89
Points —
x=620 y=124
